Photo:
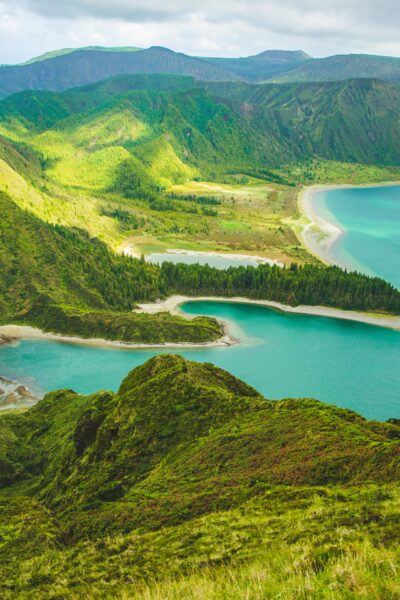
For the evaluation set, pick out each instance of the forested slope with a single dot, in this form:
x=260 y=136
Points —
x=65 y=282
x=214 y=128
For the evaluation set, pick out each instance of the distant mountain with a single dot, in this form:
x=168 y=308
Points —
x=263 y=66
x=345 y=66
x=64 y=51
x=87 y=66
x=74 y=67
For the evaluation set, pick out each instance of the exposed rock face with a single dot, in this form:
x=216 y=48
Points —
x=15 y=395
x=5 y=339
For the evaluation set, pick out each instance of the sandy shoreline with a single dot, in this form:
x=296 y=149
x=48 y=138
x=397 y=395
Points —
x=25 y=332
x=173 y=303
x=318 y=234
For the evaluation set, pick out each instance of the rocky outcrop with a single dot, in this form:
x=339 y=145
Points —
x=5 y=339
x=15 y=395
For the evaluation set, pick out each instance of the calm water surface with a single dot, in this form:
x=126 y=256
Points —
x=220 y=262
x=370 y=218
x=345 y=363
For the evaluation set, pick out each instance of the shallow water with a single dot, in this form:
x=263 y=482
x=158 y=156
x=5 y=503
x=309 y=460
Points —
x=370 y=218
x=345 y=363
x=220 y=262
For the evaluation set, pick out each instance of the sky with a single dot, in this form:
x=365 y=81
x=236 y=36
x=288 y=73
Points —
x=200 y=27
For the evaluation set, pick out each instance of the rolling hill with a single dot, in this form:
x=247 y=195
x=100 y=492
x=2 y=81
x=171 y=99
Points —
x=187 y=468
x=346 y=66
x=63 y=51
x=263 y=66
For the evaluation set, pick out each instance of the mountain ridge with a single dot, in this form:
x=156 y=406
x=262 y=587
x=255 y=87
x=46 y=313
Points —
x=67 y=68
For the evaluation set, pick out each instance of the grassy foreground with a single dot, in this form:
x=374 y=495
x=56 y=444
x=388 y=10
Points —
x=189 y=484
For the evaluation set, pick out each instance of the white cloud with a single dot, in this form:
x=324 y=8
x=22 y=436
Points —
x=204 y=27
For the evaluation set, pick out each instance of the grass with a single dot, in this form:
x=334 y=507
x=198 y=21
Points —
x=188 y=484
x=253 y=218
x=325 y=172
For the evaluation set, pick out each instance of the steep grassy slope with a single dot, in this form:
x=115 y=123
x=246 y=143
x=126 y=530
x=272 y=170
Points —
x=353 y=121
x=214 y=127
x=86 y=66
x=186 y=475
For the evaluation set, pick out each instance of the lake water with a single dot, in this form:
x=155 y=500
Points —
x=345 y=363
x=213 y=260
x=370 y=218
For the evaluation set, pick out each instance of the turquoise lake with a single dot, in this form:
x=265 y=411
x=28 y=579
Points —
x=282 y=355
x=370 y=218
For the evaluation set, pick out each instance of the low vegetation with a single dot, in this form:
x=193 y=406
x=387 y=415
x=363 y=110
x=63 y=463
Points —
x=188 y=484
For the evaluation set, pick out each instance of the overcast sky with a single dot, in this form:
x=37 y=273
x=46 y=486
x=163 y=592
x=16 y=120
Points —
x=200 y=27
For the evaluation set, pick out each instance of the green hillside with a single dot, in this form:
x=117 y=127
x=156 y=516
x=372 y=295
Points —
x=134 y=157
x=64 y=51
x=228 y=125
x=62 y=281
x=263 y=66
x=85 y=66
x=352 y=121
x=345 y=66
x=188 y=484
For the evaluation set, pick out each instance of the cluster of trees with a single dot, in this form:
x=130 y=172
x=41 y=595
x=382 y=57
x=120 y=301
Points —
x=308 y=284
x=126 y=218
x=207 y=200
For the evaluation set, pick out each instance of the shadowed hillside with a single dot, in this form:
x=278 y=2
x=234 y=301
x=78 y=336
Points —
x=85 y=66
x=345 y=66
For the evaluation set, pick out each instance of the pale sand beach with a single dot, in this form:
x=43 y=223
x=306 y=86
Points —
x=25 y=332
x=173 y=303
x=318 y=234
